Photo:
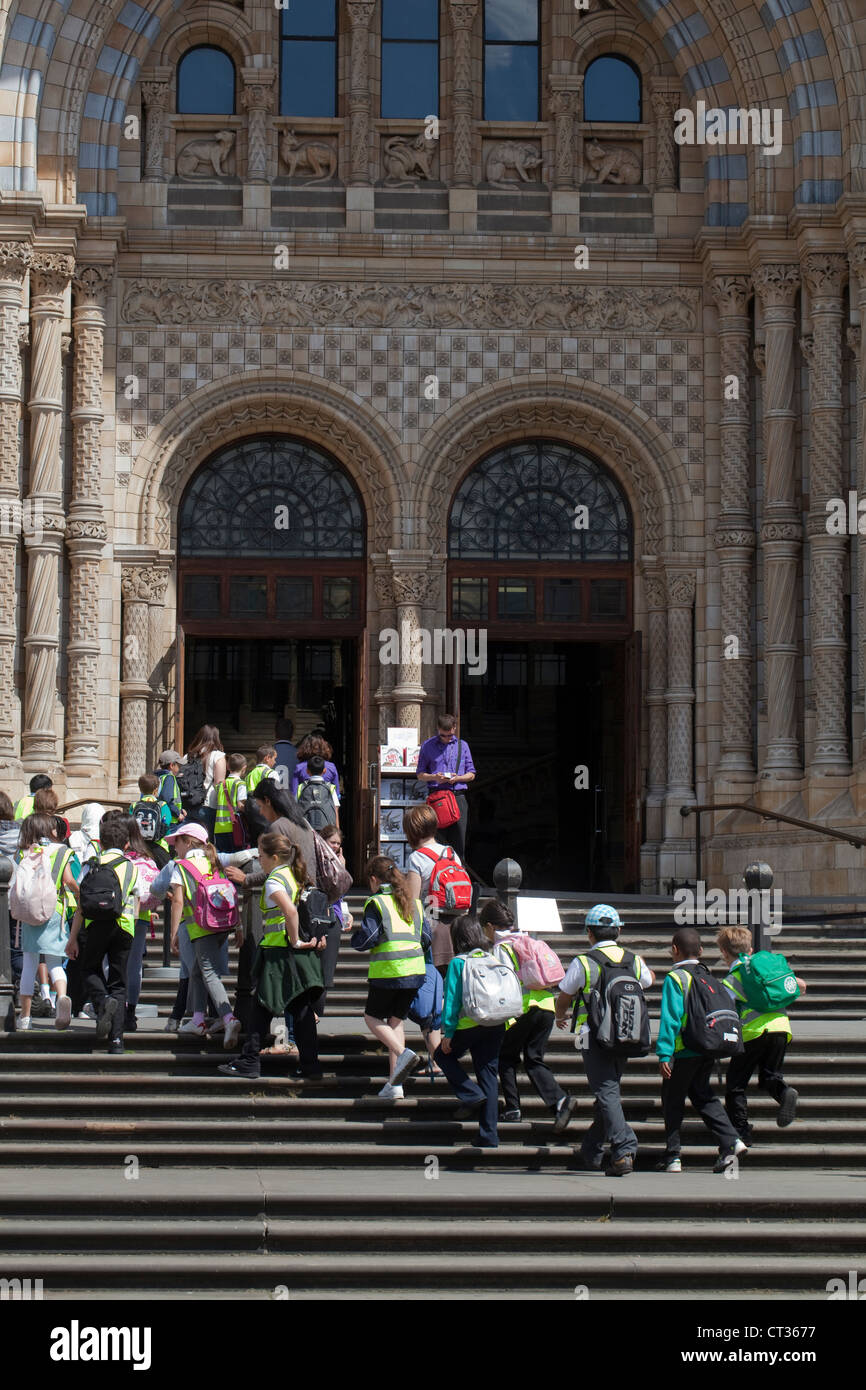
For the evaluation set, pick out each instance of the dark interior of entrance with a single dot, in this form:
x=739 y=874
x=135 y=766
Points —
x=244 y=685
x=541 y=711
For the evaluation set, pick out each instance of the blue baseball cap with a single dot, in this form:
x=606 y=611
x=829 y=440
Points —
x=602 y=915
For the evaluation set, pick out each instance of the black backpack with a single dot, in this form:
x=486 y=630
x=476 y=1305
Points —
x=102 y=894
x=149 y=818
x=190 y=779
x=314 y=914
x=317 y=805
x=712 y=1027
x=617 y=1011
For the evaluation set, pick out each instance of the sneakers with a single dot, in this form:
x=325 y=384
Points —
x=563 y=1114
x=389 y=1092
x=510 y=1117
x=787 y=1107
x=115 y=1047
x=242 y=1068
x=723 y=1161
x=198 y=1030
x=406 y=1064
x=106 y=1017
x=621 y=1167
x=171 y=1024
x=232 y=1031
x=669 y=1165
x=64 y=1012
x=40 y=1008
x=23 y=1024
x=216 y=1028
x=88 y=1012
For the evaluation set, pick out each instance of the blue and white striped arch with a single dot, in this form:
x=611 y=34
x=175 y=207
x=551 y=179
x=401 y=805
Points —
x=69 y=67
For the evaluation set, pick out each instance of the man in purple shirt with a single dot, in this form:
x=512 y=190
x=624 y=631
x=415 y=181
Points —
x=445 y=762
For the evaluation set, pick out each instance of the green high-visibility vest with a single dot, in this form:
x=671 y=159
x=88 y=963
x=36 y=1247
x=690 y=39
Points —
x=227 y=793
x=400 y=954
x=273 y=918
x=259 y=772
x=24 y=807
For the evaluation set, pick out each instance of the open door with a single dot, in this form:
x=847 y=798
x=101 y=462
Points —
x=632 y=796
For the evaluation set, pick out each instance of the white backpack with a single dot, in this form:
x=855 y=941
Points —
x=492 y=992
x=33 y=895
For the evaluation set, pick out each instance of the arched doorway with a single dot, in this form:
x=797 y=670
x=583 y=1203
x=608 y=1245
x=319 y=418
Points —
x=540 y=545
x=271 y=600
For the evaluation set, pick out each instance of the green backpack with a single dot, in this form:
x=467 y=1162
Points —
x=769 y=983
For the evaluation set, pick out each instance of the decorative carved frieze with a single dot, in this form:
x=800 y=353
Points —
x=318 y=157
x=510 y=163
x=406 y=162
x=612 y=163
x=328 y=304
x=205 y=157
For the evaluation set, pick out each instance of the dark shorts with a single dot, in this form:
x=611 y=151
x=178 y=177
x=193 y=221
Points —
x=384 y=1002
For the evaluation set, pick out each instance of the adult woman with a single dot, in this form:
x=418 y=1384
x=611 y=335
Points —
x=140 y=852
x=280 y=814
x=307 y=748
x=396 y=932
x=194 y=850
x=461 y=1034
x=207 y=747
x=420 y=826
x=287 y=973
x=47 y=938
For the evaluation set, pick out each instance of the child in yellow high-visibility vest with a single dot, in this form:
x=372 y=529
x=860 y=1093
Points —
x=266 y=758
x=230 y=796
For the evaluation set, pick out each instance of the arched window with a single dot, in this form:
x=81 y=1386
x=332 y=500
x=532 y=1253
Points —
x=512 y=56
x=410 y=57
x=206 y=83
x=611 y=90
x=308 y=49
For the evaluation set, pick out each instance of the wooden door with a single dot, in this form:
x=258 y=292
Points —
x=632 y=797
x=366 y=838
x=180 y=680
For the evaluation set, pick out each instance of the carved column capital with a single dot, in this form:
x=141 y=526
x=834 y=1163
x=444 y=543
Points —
x=776 y=284
x=91 y=285
x=143 y=583
x=731 y=294
x=50 y=273
x=415 y=586
x=15 y=260
x=258 y=88
x=825 y=273
x=463 y=13
x=156 y=94
x=656 y=596
x=857 y=262
x=681 y=585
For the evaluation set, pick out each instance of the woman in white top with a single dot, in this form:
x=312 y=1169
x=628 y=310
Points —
x=420 y=826
x=207 y=747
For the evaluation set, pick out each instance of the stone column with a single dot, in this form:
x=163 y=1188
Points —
x=665 y=102
x=258 y=100
x=50 y=274
x=141 y=586
x=824 y=274
x=781 y=531
x=384 y=693
x=680 y=694
x=15 y=258
x=360 y=15
x=411 y=588
x=462 y=92
x=735 y=536
x=155 y=97
x=565 y=93
x=857 y=343
x=86 y=532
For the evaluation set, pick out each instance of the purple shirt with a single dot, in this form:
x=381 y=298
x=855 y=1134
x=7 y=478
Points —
x=436 y=756
x=301 y=774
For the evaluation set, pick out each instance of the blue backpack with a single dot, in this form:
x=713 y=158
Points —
x=428 y=1001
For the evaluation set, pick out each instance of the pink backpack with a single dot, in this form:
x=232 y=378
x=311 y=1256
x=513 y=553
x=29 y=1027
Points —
x=216 y=900
x=33 y=896
x=538 y=964
x=147 y=871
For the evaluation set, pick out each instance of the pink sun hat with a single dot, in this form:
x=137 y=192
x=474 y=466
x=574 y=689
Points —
x=191 y=828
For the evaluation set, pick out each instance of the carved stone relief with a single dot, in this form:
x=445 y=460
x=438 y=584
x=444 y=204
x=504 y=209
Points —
x=407 y=161
x=319 y=157
x=612 y=163
x=204 y=158
x=510 y=162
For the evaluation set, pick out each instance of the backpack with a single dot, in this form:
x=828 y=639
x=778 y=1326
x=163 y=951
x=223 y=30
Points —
x=317 y=805
x=190 y=779
x=147 y=870
x=102 y=893
x=314 y=914
x=492 y=993
x=215 y=908
x=428 y=1001
x=239 y=829
x=450 y=885
x=33 y=895
x=332 y=877
x=149 y=818
x=768 y=981
x=712 y=1026
x=617 y=1011
x=538 y=964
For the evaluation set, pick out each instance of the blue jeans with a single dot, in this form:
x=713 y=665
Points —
x=483 y=1046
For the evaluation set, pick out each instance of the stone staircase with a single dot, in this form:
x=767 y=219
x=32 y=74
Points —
x=300 y=1183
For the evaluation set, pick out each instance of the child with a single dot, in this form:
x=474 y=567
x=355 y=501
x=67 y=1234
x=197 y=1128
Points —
x=193 y=849
x=140 y=853
x=46 y=938
x=317 y=799
x=461 y=1034
x=685 y=1073
x=230 y=795
x=27 y=804
x=765 y=1038
x=169 y=787
x=152 y=815
x=266 y=758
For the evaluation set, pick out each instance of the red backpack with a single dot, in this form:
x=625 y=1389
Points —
x=450 y=885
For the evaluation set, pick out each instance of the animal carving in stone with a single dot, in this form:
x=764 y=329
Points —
x=514 y=156
x=612 y=164
x=407 y=161
x=315 y=155
x=208 y=153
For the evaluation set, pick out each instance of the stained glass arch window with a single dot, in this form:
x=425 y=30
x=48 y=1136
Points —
x=272 y=496
x=526 y=502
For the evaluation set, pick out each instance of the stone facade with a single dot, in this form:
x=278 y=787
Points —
x=219 y=277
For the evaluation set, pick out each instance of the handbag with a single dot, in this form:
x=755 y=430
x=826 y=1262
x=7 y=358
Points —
x=443 y=801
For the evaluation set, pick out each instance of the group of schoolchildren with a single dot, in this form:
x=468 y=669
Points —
x=496 y=998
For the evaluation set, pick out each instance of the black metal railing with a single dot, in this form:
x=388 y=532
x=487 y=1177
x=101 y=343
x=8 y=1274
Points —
x=765 y=814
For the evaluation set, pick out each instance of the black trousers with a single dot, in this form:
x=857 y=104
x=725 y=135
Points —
x=529 y=1036
x=455 y=835
x=767 y=1053
x=304 y=1019
x=690 y=1079
x=328 y=959
x=112 y=941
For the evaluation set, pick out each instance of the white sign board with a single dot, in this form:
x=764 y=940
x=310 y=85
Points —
x=403 y=738
x=539 y=915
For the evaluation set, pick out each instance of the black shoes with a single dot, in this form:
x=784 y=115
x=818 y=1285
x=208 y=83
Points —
x=107 y=1010
x=115 y=1047
x=563 y=1114
x=510 y=1117
x=787 y=1107
x=243 y=1068
x=130 y=1024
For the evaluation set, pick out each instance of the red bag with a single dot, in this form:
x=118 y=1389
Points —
x=450 y=885
x=444 y=803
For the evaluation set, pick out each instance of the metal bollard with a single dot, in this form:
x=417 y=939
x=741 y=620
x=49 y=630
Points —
x=507 y=878
x=758 y=876
x=7 y=989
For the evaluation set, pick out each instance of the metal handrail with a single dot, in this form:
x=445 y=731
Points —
x=765 y=814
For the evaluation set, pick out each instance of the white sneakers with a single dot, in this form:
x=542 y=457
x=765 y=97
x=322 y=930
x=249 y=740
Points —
x=198 y=1030
x=389 y=1092
x=232 y=1033
x=23 y=1024
x=406 y=1064
x=63 y=1013
x=216 y=1028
